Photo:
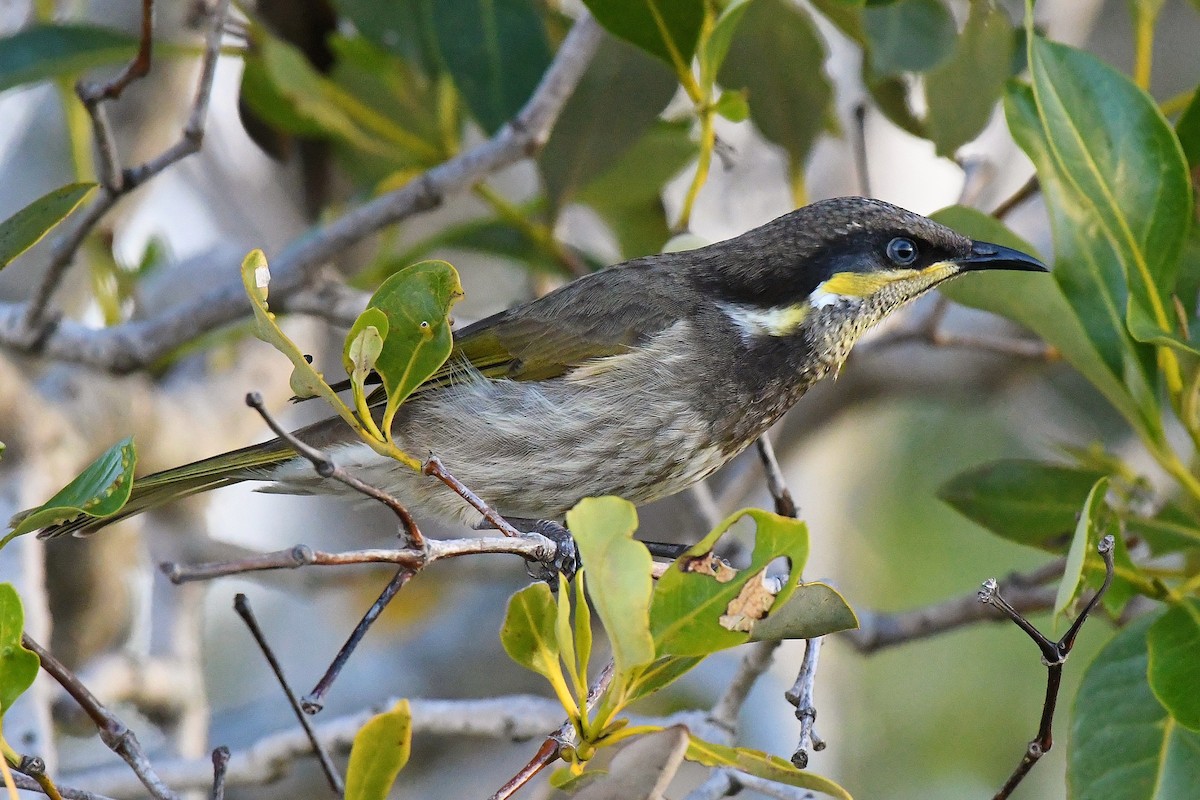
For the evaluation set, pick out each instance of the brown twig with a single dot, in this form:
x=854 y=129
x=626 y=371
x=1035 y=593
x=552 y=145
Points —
x=325 y=467
x=35 y=768
x=242 y=606
x=27 y=327
x=1027 y=190
x=136 y=344
x=220 y=761
x=861 y=162
x=435 y=467
x=785 y=505
x=928 y=331
x=1054 y=656
x=756 y=659
x=115 y=734
x=29 y=784
x=311 y=703
x=550 y=749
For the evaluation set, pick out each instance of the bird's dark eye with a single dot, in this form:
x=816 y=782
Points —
x=901 y=251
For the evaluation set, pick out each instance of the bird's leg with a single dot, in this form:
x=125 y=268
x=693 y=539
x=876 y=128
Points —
x=566 y=555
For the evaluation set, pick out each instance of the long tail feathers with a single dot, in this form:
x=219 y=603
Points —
x=164 y=487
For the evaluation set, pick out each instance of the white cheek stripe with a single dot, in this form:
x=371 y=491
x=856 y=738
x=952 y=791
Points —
x=821 y=297
x=764 y=321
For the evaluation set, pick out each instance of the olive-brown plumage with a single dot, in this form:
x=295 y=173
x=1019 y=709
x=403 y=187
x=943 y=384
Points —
x=637 y=380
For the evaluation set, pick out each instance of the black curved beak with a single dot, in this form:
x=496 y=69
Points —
x=985 y=255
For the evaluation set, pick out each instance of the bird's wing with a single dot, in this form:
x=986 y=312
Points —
x=602 y=314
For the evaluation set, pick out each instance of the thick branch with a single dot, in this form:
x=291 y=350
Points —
x=134 y=345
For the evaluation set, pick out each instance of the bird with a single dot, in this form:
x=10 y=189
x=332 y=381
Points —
x=637 y=380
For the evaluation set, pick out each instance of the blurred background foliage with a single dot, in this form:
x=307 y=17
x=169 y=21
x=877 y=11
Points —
x=707 y=119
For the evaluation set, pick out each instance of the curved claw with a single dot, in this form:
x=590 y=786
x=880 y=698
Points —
x=566 y=556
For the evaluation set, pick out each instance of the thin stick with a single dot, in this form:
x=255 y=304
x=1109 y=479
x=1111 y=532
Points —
x=435 y=467
x=242 y=606
x=801 y=696
x=115 y=734
x=326 y=468
x=311 y=703
x=785 y=505
x=32 y=330
x=1054 y=656
x=220 y=759
x=1027 y=190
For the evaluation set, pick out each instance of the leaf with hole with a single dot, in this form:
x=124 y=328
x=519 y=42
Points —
x=689 y=599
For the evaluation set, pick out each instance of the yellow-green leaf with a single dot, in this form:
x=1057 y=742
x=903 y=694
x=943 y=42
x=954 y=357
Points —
x=1084 y=540
x=380 y=750
x=618 y=576
x=762 y=765
x=528 y=633
x=689 y=599
x=18 y=666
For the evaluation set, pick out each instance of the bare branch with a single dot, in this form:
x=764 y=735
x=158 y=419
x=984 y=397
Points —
x=30 y=785
x=756 y=660
x=113 y=732
x=801 y=696
x=242 y=606
x=134 y=345
x=1054 y=656
x=509 y=718
x=23 y=326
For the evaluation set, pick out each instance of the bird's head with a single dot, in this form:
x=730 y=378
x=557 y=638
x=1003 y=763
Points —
x=832 y=269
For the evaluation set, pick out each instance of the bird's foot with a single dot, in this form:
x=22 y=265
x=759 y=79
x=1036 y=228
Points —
x=566 y=555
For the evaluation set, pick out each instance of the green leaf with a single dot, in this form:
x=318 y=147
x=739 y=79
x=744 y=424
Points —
x=564 y=632
x=99 y=491
x=762 y=765
x=778 y=58
x=417 y=301
x=619 y=98
x=1029 y=502
x=815 y=609
x=628 y=197
x=668 y=29
x=1115 y=712
x=381 y=749
x=1080 y=332
x=1174 y=646
x=1171 y=530
x=1084 y=539
x=962 y=92
x=496 y=50
x=361 y=351
x=1121 y=169
x=661 y=673
x=18 y=666
x=690 y=600
x=49 y=51
x=528 y=633
x=618 y=576
x=24 y=229
x=1187 y=128
x=716 y=48
x=281 y=85
x=401 y=27
x=909 y=35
